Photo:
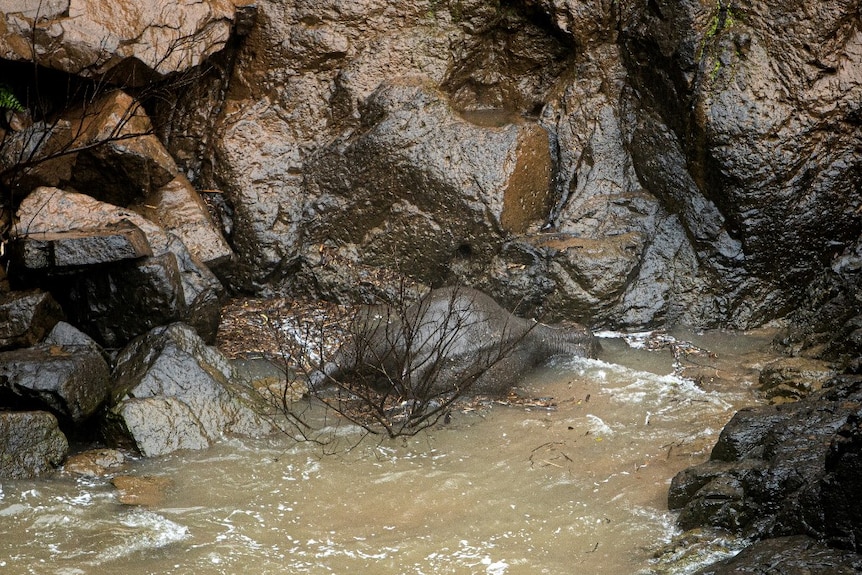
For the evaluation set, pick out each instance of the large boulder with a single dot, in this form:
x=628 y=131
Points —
x=115 y=303
x=31 y=444
x=71 y=380
x=422 y=199
x=26 y=317
x=136 y=40
x=781 y=470
x=174 y=392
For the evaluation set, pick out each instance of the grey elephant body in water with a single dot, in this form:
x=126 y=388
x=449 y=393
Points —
x=453 y=340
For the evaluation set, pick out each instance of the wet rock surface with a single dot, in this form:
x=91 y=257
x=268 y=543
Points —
x=26 y=317
x=797 y=555
x=90 y=38
x=629 y=166
x=94 y=462
x=115 y=303
x=422 y=201
x=173 y=392
x=31 y=444
x=70 y=381
x=782 y=470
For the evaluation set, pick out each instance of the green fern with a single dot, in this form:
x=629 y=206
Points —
x=8 y=101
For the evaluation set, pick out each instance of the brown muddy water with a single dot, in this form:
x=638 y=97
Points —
x=580 y=488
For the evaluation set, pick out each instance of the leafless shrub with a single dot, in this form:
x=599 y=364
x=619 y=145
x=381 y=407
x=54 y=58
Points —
x=399 y=368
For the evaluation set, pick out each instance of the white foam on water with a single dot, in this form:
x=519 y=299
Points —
x=642 y=384
x=598 y=426
x=142 y=530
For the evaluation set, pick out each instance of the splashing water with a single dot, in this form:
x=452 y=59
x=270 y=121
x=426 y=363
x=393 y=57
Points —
x=502 y=490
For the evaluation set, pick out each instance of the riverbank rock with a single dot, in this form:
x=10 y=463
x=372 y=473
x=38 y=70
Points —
x=828 y=323
x=71 y=381
x=782 y=470
x=94 y=462
x=790 y=378
x=31 y=444
x=173 y=392
x=798 y=555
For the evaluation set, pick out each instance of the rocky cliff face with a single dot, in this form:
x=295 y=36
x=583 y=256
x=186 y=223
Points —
x=621 y=164
x=661 y=161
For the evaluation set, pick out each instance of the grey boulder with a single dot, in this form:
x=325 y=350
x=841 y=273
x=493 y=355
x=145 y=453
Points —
x=174 y=392
x=65 y=374
x=31 y=444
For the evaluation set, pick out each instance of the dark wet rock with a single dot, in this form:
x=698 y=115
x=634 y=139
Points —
x=173 y=392
x=26 y=316
x=828 y=323
x=796 y=555
x=118 y=303
x=421 y=202
x=68 y=336
x=842 y=485
x=767 y=185
x=451 y=340
x=179 y=209
x=71 y=381
x=794 y=377
x=115 y=303
x=768 y=473
x=31 y=444
x=47 y=251
x=296 y=82
x=507 y=64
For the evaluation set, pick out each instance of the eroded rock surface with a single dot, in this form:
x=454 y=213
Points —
x=90 y=38
x=31 y=444
x=173 y=392
x=781 y=470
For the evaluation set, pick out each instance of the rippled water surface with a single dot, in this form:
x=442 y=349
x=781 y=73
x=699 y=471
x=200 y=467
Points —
x=580 y=488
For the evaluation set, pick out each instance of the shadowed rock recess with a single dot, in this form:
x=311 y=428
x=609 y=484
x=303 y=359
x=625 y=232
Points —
x=624 y=165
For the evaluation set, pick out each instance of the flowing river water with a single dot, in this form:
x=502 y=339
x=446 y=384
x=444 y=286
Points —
x=577 y=488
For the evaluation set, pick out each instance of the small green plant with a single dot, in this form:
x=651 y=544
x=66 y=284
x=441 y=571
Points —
x=8 y=101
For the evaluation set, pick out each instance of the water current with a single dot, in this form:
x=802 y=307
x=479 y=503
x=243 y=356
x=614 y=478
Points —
x=579 y=487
